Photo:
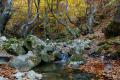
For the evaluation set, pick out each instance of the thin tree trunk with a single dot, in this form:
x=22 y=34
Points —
x=25 y=27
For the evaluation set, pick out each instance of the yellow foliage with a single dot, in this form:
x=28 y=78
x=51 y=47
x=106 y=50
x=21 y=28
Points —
x=77 y=7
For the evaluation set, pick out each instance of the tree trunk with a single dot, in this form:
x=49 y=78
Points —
x=5 y=15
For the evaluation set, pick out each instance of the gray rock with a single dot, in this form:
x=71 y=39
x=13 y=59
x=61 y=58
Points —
x=76 y=64
x=34 y=76
x=79 y=45
x=2 y=78
x=19 y=75
x=33 y=42
x=48 y=48
x=25 y=62
x=2 y=40
x=30 y=75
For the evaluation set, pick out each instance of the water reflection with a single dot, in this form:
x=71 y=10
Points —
x=58 y=72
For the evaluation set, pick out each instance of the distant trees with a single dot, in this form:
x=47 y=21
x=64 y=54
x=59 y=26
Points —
x=60 y=11
x=24 y=31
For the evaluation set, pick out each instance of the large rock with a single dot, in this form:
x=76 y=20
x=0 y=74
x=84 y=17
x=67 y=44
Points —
x=25 y=62
x=47 y=52
x=113 y=29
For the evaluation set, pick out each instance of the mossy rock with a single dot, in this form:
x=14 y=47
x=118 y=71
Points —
x=33 y=42
x=114 y=41
x=103 y=48
x=36 y=59
x=115 y=55
x=91 y=36
x=112 y=30
x=102 y=43
x=106 y=46
x=77 y=57
x=47 y=57
x=14 y=46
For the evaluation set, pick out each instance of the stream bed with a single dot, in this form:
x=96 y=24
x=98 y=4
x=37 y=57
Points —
x=56 y=71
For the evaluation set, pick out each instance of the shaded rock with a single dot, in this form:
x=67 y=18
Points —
x=5 y=57
x=115 y=55
x=112 y=30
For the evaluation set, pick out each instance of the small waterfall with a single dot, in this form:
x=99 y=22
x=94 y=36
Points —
x=64 y=57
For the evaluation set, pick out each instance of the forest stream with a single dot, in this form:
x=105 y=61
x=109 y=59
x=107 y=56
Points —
x=58 y=72
x=59 y=39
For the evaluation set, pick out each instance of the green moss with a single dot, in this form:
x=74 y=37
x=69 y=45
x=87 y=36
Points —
x=105 y=46
x=102 y=43
x=77 y=57
x=14 y=46
x=35 y=60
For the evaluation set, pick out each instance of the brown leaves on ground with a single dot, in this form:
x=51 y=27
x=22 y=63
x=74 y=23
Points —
x=95 y=66
x=114 y=72
x=6 y=71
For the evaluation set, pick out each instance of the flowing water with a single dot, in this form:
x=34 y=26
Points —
x=57 y=71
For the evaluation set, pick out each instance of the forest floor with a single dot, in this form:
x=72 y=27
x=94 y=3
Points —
x=106 y=69
x=6 y=71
